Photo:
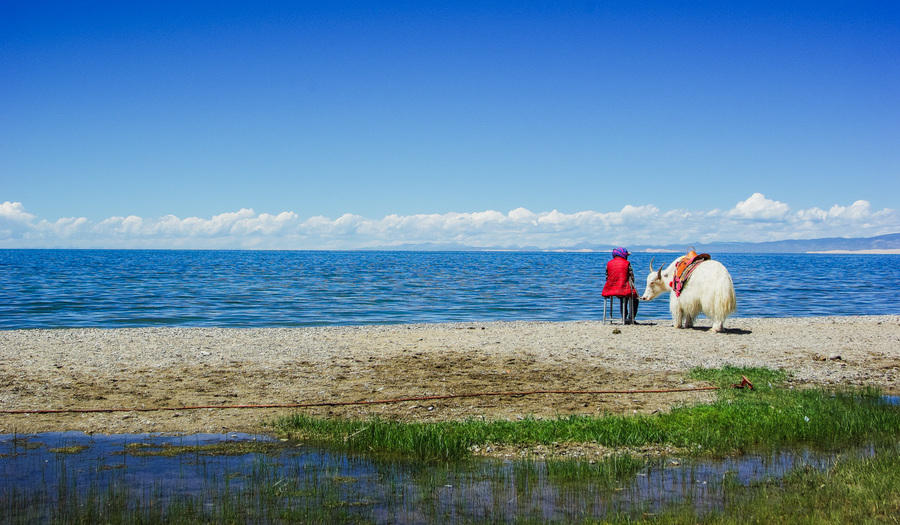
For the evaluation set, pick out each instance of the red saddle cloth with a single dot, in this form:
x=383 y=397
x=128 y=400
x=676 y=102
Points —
x=684 y=268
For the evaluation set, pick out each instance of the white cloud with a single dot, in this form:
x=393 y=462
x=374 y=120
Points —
x=523 y=215
x=755 y=219
x=859 y=210
x=266 y=224
x=758 y=207
x=15 y=212
x=14 y=220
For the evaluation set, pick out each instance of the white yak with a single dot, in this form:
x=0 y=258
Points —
x=709 y=290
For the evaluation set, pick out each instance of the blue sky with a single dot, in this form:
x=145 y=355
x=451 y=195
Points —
x=353 y=124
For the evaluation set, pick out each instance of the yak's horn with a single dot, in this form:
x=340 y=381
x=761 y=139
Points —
x=651 y=264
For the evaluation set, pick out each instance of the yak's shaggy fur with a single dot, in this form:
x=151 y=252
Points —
x=709 y=291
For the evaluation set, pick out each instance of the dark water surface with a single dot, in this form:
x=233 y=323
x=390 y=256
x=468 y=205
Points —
x=60 y=465
x=133 y=288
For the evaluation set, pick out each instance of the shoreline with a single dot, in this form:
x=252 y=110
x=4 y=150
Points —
x=91 y=368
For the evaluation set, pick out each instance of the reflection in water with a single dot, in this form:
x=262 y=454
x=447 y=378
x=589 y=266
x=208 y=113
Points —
x=156 y=469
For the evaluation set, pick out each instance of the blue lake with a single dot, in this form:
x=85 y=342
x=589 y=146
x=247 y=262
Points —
x=133 y=288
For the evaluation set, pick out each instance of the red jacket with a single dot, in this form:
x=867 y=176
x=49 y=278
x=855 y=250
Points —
x=618 y=279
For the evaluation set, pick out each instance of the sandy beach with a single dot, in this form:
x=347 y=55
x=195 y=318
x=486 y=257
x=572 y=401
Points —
x=187 y=367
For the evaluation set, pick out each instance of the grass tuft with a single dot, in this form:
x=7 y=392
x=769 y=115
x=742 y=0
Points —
x=854 y=490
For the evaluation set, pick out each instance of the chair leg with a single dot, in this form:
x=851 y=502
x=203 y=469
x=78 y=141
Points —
x=609 y=309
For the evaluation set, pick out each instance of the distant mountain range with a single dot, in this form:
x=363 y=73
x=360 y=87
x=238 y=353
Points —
x=833 y=244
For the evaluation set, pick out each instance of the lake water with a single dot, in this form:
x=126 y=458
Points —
x=134 y=288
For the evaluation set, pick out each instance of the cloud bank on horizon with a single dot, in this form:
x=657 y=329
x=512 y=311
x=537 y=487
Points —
x=756 y=219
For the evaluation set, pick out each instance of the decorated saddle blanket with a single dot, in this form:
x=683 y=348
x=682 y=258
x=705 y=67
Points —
x=684 y=268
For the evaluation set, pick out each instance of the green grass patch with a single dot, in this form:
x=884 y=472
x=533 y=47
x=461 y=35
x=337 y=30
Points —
x=225 y=448
x=74 y=449
x=771 y=416
x=607 y=472
x=854 y=490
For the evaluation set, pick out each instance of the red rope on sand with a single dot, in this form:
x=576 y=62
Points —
x=346 y=403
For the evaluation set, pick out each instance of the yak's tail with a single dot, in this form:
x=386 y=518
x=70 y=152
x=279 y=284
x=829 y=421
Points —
x=727 y=302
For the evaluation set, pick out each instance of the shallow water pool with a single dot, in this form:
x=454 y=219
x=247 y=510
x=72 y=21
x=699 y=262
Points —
x=40 y=473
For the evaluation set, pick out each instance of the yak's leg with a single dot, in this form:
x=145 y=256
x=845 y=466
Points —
x=688 y=321
x=677 y=311
x=677 y=318
x=718 y=326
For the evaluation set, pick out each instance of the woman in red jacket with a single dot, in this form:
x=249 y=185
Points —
x=620 y=283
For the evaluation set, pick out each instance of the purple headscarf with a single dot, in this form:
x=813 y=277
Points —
x=621 y=252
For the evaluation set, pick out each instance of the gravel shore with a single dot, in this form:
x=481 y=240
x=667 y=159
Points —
x=187 y=367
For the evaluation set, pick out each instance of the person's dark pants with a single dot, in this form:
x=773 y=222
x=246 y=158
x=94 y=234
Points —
x=628 y=307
